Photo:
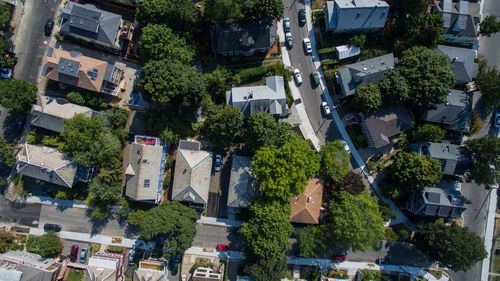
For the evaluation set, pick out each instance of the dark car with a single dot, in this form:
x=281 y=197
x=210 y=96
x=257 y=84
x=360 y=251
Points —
x=73 y=254
x=49 y=25
x=52 y=227
x=380 y=261
x=315 y=78
x=174 y=264
x=218 y=162
x=302 y=16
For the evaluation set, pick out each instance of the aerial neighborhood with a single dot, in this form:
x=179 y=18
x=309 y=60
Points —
x=264 y=140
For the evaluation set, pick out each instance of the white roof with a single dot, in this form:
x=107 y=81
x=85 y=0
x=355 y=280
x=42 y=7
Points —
x=10 y=274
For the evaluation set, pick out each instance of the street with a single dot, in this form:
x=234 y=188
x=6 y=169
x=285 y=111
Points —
x=488 y=46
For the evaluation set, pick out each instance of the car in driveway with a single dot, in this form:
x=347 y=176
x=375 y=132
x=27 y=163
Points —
x=174 y=264
x=315 y=78
x=297 y=76
x=52 y=227
x=73 y=254
x=287 y=25
x=325 y=108
x=83 y=255
x=218 y=162
x=6 y=73
x=289 y=40
x=49 y=25
x=307 y=46
x=302 y=17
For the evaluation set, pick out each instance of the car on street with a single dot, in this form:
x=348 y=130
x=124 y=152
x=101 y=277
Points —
x=83 y=255
x=73 y=254
x=315 y=78
x=297 y=76
x=218 y=162
x=326 y=108
x=346 y=146
x=286 y=25
x=174 y=264
x=339 y=258
x=302 y=16
x=497 y=120
x=131 y=257
x=380 y=261
x=6 y=73
x=49 y=25
x=289 y=40
x=52 y=227
x=307 y=46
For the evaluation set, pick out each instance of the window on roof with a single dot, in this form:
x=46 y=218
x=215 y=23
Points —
x=146 y=182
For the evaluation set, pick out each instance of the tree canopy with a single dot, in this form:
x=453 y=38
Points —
x=105 y=190
x=368 y=98
x=334 y=160
x=5 y=16
x=452 y=246
x=429 y=77
x=486 y=157
x=488 y=81
x=47 y=245
x=284 y=171
x=428 y=133
x=218 y=83
x=352 y=183
x=413 y=172
x=17 y=95
x=489 y=25
x=312 y=241
x=168 y=81
x=358 y=40
x=177 y=14
x=6 y=153
x=394 y=88
x=224 y=125
x=159 y=42
x=263 y=9
x=263 y=130
x=424 y=29
x=170 y=220
x=222 y=10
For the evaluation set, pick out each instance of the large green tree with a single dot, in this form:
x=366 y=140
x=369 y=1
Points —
x=334 y=160
x=224 y=125
x=47 y=245
x=429 y=77
x=428 y=133
x=452 y=246
x=394 y=88
x=222 y=10
x=489 y=25
x=5 y=15
x=284 y=171
x=180 y=15
x=352 y=183
x=218 y=82
x=368 y=98
x=172 y=221
x=105 y=190
x=486 y=157
x=413 y=172
x=158 y=42
x=6 y=153
x=170 y=82
x=488 y=81
x=263 y=9
x=263 y=130
x=354 y=222
x=312 y=241
x=412 y=7
x=424 y=29
x=17 y=95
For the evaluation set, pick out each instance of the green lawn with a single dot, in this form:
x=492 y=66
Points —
x=75 y=276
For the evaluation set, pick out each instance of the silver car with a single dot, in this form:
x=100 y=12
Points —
x=297 y=76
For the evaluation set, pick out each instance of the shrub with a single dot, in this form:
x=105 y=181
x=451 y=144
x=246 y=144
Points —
x=76 y=98
x=115 y=249
x=390 y=190
x=390 y=235
x=98 y=214
x=95 y=247
x=476 y=124
x=387 y=213
x=326 y=51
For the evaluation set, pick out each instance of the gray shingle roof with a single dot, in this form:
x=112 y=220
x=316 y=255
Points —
x=364 y=73
x=386 y=123
x=455 y=113
x=243 y=36
x=356 y=15
x=242 y=185
x=454 y=158
x=462 y=61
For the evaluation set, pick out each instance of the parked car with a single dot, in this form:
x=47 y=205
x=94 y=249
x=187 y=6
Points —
x=339 y=258
x=174 y=264
x=297 y=76
x=346 y=146
x=307 y=46
x=315 y=78
x=326 y=108
x=302 y=16
x=497 y=120
x=380 y=261
x=218 y=162
x=73 y=254
x=6 y=73
x=52 y=227
x=131 y=257
x=83 y=255
x=223 y=247
x=286 y=25
x=49 y=25
x=289 y=40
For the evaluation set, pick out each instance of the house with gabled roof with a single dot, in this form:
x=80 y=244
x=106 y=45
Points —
x=51 y=113
x=462 y=61
x=455 y=159
x=104 y=266
x=306 y=207
x=25 y=266
x=243 y=188
x=50 y=165
x=355 y=16
x=270 y=98
x=151 y=270
x=193 y=168
x=461 y=22
x=455 y=114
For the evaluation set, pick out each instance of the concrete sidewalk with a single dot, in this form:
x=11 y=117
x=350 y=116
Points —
x=45 y=200
x=489 y=235
x=86 y=237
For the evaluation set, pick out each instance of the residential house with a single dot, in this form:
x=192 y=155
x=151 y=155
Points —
x=442 y=201
x=207 y=274
x=193 y=168
x=76 y=70
x=242 y=185
x=150 y=270
x=24 y=266
x=455 y=160
x=454 y=114
x=50 y=165
x=243 y=38
x=363 y=73
x=462 y=61
x=461 y=22
x=269 y=98
x=145 y=170
x=93 y=26
x=383 y=126
x=103 y=266
x=355 y=16
x=306 y=208
x=51 y=113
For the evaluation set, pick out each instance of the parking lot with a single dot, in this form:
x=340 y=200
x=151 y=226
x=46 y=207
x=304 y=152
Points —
x=67 y=249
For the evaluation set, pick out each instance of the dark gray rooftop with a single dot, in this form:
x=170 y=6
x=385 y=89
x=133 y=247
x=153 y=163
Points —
x=68 y=67
x=243 y=36
x=455 y=112
x=462 y=61
x=386 y=123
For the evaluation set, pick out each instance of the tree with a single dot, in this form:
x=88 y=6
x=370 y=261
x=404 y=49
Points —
x=170 y=81
x=452 y=246
x=284 y=171
x=486 y=157
x=368 y=98
x=358 y=40
x=263 y=9
x=170 y=220
x=222 y=10
x=413 y=172
x=218 y=83
x=412 y=7
x=488 y=81
x=334 y=160
x=5 y=16
x=428 y=133
x=158 y=42
x=224 y=125
x=394 y=88
x=263 y=130
x=76 y=98
x=312 y=241
x=7 y=239
x=424 y=29
x=105 y=191
x=6 y=153
x=354 y=222
x=116 y=117
x=177 y=14
x=489 y=25
x=429 y=77
x=17 y=95
x=47 y=245
x=351 y=182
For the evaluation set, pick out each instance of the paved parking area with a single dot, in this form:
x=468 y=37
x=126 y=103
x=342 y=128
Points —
x=217 y=196
x=69 y=243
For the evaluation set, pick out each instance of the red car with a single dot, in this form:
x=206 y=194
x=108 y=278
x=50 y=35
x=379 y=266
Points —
x=339 y=258
x=73 y=254
x=223 y=247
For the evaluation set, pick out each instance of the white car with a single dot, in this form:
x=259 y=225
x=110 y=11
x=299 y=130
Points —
x=289 y=40
x=326 y=108
x=346 y=147
x=6 y=73
x=307 y=45
x=297 y=76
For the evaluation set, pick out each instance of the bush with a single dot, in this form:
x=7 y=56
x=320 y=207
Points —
x=390 y=190
x=95 y=247
x=75 y=97
x=390 y=235
x=476 y=124
x=98 y=214
x=115 y=249
x=247 y=73
x=403 y=234
x=387 y=213
x=326 y=51
x=201 y=262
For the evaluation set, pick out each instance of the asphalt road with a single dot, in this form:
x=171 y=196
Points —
x=488 y=46
x=30 y=44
